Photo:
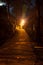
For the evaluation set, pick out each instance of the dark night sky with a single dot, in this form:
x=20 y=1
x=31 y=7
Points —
x=17 y=4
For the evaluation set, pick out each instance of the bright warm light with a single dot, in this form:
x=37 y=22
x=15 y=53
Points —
x=17 y=27
x=22 y=22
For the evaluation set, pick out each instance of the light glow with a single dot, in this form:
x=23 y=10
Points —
x=2 y=3
x=22 y=22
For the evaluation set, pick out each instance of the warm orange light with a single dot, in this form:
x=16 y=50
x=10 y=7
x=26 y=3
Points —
x=22 y=22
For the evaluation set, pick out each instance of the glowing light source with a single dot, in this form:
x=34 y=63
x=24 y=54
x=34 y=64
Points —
x=2 y=3
x=20 y=26
x=22 y=22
